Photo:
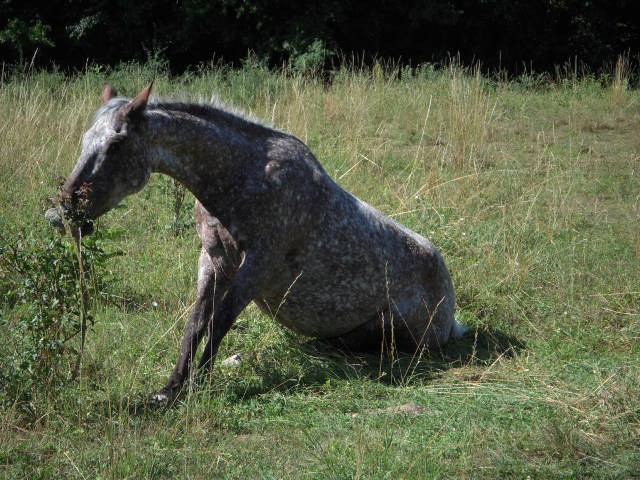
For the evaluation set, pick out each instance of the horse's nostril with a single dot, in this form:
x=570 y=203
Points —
x=86 y=228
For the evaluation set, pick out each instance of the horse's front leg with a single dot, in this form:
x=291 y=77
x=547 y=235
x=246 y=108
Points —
x=213 y=282
x=251 y=278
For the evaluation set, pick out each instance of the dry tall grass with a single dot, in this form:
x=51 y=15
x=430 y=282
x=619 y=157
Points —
x=471 y=110
x=620 y=80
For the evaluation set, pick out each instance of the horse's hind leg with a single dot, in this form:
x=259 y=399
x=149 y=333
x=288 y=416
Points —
x=379 y=334
x=368 y=337
x=408 y=328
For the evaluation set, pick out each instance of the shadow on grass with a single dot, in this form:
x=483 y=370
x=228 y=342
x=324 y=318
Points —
x=130 y=301
x=479 y=347
x=313 y=364
x=318 y=363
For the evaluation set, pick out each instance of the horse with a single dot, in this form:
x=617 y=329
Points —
x=275 y=229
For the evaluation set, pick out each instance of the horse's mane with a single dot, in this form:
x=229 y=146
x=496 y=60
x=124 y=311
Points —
x=214 y=110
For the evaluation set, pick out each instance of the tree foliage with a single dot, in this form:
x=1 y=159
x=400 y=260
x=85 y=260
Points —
x=20 y=35
x=500 y=33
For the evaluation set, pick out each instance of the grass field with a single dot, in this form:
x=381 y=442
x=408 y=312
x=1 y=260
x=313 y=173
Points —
x=530 y=188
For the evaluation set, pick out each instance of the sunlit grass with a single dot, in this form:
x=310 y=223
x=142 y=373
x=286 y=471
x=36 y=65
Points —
x=531 y=192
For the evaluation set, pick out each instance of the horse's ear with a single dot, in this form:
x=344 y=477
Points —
x=136 y=107
x=108 y=92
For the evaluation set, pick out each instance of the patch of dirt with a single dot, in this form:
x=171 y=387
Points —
x=405 y=409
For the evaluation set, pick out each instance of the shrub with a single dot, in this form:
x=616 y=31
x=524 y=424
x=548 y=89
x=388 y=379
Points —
x=44 y=310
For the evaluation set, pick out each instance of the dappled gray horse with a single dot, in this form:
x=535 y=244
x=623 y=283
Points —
x=275 y=229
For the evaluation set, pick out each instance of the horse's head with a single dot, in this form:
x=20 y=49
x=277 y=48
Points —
x=113 y=163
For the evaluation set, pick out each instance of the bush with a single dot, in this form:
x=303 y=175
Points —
x=44 y=310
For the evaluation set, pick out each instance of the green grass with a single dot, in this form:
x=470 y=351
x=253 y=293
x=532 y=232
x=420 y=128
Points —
x=531 y=193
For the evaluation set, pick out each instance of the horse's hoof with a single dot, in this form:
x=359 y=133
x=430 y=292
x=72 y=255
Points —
x=161 y=399
x=234 y=360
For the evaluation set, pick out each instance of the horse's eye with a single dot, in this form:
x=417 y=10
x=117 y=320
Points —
x=118 y=126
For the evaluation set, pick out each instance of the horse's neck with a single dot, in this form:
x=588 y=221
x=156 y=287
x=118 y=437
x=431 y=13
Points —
x=201 y=155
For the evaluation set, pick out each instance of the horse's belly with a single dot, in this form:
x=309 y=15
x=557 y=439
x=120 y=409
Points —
x=312 y=318
x=332 y=294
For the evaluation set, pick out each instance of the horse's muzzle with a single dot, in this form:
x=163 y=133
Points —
x=55 y=216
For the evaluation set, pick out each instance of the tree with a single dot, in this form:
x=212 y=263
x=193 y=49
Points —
x=23 y=37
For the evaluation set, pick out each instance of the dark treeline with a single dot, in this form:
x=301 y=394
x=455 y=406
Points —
x=511 y=35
